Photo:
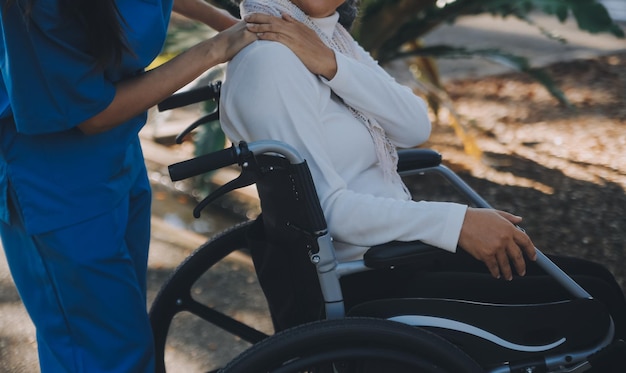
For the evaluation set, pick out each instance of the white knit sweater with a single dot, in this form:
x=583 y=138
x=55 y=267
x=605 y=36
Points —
x=269 y=94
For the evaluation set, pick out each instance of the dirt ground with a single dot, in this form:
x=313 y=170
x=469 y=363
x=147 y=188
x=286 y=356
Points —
x=562 y=169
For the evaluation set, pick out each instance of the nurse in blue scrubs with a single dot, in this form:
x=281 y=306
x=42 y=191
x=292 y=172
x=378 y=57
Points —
x=74 y=196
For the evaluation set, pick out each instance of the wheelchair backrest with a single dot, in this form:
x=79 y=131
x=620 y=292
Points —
x=283 y=239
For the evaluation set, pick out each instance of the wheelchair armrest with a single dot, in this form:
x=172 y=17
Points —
x=412 y=159
x=395 y=254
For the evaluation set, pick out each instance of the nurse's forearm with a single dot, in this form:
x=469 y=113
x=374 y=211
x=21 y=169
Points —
x=136 y=95
x=200 y=10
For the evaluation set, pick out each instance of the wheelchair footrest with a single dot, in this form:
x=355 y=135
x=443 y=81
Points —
x=500 y=331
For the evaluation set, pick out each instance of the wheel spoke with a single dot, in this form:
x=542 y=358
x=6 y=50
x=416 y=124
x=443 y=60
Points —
x=175 y=296
x=223 y=321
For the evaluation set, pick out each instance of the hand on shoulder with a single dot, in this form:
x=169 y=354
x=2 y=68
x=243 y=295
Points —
x=303 y=41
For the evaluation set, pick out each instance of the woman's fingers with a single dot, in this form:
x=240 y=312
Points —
x=260 y=18
x=302 y=41
x=505 y=265
x=492 y=237
x=502 y=263
x=492 y=265
x=526 y=244
x=514 y=254
x=263 y=23
x=520 y=237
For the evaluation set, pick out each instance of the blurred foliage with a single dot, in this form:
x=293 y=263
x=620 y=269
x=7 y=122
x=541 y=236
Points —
x=385 y=27
x=393 y=29
x=389 y=28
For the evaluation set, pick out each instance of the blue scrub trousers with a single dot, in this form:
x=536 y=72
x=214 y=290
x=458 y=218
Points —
x=84 y=287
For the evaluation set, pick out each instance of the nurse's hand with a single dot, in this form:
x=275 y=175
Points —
x=492 y=237
x=303 y=41
x=230 y=41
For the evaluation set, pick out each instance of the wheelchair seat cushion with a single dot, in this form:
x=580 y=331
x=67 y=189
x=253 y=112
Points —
x=502 y=332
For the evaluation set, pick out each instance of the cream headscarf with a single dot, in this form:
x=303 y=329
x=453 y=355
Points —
x=342 y=42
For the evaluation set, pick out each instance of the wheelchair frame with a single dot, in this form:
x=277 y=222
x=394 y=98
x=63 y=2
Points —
x=330 y=271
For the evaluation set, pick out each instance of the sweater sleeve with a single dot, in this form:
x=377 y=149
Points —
x=269 y=94
x=366 y=86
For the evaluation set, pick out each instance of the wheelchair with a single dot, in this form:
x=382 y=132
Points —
x=383 y=335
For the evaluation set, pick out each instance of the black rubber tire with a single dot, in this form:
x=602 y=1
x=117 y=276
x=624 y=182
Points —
x=353 y=345
x=175 y=295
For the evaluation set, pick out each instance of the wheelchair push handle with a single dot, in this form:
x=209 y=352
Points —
x=244 y=154
x=236 y=154
x=204 y=163
x=209 y=92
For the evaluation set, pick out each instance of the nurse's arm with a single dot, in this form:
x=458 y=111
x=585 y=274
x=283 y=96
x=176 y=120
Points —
x=138 y=94
x=200 y=10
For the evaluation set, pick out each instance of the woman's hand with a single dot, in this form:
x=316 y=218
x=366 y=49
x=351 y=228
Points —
x=303 y=41
x=492 y=237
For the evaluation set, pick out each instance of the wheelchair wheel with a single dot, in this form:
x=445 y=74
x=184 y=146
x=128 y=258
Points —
x=353 y=345
x=176 y=295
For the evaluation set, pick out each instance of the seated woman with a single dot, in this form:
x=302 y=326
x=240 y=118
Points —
x=319 y=91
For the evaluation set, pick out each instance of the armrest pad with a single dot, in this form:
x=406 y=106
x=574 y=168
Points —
x=396 y=254
x=412 y=159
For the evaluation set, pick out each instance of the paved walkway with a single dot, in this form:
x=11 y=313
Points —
x=170 y=245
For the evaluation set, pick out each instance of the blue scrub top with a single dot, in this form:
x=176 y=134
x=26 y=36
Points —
x=49 y=84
